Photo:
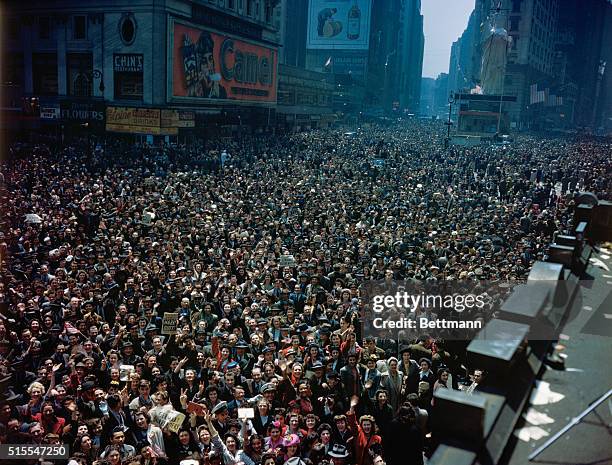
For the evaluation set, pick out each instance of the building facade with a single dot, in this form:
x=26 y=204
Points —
x=411 y=46
x=532 y=26
x=293 y=33
x=305 y=99
x=580 y=50
x=464 y=67
x=427 y=101
x=381 y=52
x=141 y=67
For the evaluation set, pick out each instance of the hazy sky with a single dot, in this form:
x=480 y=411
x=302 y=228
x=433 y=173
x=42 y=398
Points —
x=444 y=21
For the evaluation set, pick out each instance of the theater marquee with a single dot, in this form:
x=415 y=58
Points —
x=208 y=65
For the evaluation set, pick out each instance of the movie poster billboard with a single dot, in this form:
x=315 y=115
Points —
x=208 y=65
x=339 y=24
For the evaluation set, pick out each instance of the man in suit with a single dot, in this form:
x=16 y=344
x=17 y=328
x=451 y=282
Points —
x=317 y=380
x=119 y=418
x=254 y=384
x=244 y=360
x=351 y=377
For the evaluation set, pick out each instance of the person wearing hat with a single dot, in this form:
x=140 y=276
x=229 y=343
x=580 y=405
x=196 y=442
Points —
x=291 y=444
x=244 y=359
x=316 y=378
x=338 y=454
x=220 y=415
x=128 y=357
x=410 y=368
x=269 y=354
x=426 y=375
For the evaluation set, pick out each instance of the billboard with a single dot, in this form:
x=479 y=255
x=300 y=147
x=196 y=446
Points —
x=208 y=65
x=133 y=120
x=338 y=24
x=177 y=119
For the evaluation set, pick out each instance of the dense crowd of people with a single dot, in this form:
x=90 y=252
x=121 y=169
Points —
x=261 y=246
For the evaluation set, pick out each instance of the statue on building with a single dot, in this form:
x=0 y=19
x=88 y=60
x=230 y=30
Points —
x=494 y=56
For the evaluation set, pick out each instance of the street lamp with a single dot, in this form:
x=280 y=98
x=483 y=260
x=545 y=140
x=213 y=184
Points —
x=387 y=91
x=97 y=74
x=451 y=100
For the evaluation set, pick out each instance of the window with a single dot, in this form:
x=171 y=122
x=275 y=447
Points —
x=250 y=8
x=516 y=6
x=81 y=86
x=231 y=4
x=79 y=67
x=79 y=31
x=268 y=9
x=128 y=76
x=127 y=29
x=128 y=86
x=44 y=73
x=44 y=27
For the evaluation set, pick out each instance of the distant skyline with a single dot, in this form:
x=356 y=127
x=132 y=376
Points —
x=443 y=22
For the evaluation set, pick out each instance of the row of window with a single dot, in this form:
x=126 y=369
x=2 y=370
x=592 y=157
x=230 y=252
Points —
x=80 y=78
x=43 y=24
x=250 y=8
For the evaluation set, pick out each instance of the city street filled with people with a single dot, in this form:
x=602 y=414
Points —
x=204 y=303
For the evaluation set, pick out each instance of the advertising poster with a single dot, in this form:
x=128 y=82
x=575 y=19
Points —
x=339 y=24
x=133 y=120
x=207 y=65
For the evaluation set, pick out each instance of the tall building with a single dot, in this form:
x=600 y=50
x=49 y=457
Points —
x=384 y=61
x=141 y=67
x=579 y=52
x=440 y=94
x=532 y=25
x=396 y=55
x=605 y=115
x=427 y=101
x=338 y=36
x=411 y=45
x=555 y=60
x=463 y=68
x=374 y=48
x=293 y=33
